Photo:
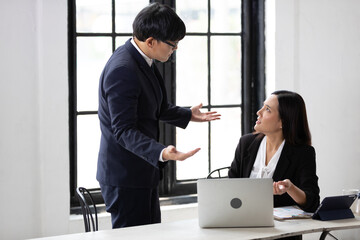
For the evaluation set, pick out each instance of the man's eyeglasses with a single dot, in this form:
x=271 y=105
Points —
x=173 y=45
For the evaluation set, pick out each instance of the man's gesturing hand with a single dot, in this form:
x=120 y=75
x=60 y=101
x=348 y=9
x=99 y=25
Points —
x=198 y=116
x=170 y=153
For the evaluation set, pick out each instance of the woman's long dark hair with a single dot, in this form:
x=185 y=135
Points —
x=293 y=116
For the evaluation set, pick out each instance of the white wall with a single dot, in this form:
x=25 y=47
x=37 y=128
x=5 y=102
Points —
x=19 y=128
x=34 y=155
x=317 y=54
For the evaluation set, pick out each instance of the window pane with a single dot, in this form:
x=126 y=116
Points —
x=93 y=16
x=225 y=70
x=225 y=135
x=88 y=136
x=194 y=136
x=194 y=14
x=121 y=41
x=225 y=16
x=191 y=73
x=125 y=13
x=270 y=8
x=92 y=55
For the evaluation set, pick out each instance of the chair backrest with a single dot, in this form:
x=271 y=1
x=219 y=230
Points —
x=219 y=173
x=87 y=203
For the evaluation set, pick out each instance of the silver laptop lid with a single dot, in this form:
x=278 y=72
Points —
x=235 y=202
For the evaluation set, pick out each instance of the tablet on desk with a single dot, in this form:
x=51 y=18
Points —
x=336 y=207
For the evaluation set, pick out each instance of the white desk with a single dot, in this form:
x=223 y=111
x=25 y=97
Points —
x=190 y=230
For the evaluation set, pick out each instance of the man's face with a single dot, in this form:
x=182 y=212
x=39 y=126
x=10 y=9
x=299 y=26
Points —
x=163 y=50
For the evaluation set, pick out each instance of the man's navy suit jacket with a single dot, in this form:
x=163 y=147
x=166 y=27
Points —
x=132 y=100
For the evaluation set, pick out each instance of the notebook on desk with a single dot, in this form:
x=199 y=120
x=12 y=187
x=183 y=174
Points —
x=235 y=202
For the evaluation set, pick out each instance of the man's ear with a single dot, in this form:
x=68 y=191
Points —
x=150 y=41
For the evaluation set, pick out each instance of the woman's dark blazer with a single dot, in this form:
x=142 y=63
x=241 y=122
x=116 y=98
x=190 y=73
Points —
x=296 y=163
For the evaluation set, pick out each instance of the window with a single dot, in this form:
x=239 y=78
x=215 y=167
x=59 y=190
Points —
x=214 y=65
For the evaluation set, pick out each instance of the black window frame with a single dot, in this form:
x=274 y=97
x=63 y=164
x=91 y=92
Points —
x=252 y=92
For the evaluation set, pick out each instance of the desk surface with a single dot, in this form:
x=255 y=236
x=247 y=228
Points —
x=190 y=230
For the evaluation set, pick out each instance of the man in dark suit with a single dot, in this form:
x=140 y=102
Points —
x=132 y=101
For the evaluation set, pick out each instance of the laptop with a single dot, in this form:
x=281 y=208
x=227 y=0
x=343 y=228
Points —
x=235 y=202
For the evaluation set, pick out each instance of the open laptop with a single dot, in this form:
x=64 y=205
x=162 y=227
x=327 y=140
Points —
x=235 y=202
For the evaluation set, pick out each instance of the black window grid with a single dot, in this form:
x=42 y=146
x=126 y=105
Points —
x=253 y=86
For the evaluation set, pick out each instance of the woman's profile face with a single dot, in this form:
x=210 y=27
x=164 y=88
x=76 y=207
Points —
x=268 y=121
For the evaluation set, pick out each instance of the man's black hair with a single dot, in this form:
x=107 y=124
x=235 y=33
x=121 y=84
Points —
x=160 y=22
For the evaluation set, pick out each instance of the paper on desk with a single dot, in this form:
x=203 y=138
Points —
x=290 y=212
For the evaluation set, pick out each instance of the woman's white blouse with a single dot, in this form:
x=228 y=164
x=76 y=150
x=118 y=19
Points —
x=260 y=170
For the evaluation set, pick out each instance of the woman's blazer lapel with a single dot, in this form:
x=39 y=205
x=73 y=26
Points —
x=283 y=163
x=250 y=156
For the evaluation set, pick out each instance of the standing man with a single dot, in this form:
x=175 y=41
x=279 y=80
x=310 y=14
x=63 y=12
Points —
x=132 y=100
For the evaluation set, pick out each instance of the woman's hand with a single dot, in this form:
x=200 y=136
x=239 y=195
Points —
x=286 y=186
x=282 y=187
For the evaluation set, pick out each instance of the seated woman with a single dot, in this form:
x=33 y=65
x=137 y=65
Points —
x=281 y=149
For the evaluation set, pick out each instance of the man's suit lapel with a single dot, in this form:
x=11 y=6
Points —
x=159 y=81
x=154 y=78
x=148 y=72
